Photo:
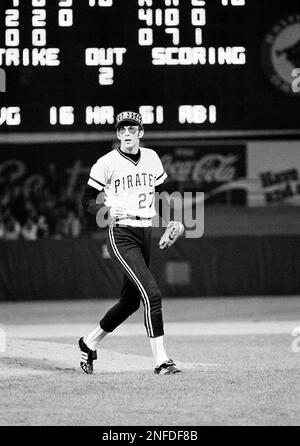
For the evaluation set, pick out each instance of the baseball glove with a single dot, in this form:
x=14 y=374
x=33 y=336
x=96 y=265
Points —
x=171 y=234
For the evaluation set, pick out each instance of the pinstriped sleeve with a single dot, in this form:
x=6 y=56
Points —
x=98 y=175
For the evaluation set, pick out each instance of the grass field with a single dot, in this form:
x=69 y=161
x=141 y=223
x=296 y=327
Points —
x=236 y=354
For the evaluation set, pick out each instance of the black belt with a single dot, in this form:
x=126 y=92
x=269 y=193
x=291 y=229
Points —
x=136 y=217
x=133 y=217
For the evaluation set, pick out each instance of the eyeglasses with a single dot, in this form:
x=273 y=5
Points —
x=132 y=129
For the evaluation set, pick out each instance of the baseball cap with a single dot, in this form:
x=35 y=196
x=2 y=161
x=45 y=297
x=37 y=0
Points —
x=130 y=118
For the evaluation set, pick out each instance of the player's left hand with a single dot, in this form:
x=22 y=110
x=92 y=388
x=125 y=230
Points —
x=174 y=230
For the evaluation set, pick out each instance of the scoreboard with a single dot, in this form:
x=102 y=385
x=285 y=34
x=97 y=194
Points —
x=213 y=65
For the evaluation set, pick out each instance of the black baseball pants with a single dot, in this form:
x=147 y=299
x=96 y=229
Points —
x=130 y=248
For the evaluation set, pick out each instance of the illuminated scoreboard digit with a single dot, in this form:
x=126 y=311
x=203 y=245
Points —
x=184 y=64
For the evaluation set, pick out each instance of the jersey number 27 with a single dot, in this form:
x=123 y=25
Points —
x=143 y=198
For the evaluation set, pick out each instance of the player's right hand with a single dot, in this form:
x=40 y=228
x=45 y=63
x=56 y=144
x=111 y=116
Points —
x=117 y=212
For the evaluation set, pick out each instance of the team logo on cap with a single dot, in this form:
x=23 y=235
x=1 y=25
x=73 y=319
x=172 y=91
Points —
x=281 y=53
x=130 y=116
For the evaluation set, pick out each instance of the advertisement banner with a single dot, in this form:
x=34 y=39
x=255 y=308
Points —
x=274 y=173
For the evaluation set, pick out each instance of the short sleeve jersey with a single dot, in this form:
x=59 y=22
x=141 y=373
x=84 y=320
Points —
x=127 y=183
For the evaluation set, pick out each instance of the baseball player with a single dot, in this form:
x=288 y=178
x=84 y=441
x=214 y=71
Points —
x=127 y=178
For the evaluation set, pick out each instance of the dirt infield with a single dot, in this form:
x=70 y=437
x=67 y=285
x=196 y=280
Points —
x=238 y=370
x=24 y=357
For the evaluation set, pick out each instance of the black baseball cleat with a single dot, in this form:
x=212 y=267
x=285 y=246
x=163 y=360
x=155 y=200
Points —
x=87 y=357
x=167 y=368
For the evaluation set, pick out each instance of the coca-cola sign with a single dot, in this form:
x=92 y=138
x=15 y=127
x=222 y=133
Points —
x=211 y=168
x=211 y=164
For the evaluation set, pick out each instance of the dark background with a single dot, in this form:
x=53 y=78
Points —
x=243 y=94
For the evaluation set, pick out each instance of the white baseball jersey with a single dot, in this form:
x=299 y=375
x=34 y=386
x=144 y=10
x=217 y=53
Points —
x=129 y=184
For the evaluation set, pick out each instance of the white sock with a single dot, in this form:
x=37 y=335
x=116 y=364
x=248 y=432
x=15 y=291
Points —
x=94 y=337
x=158 y=350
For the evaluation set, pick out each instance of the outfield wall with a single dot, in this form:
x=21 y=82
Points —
x=211 y=266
